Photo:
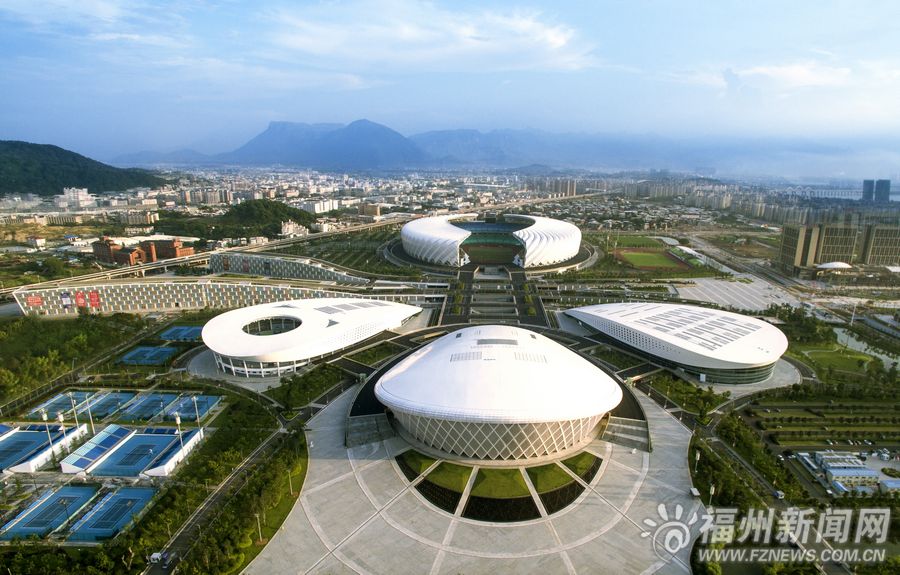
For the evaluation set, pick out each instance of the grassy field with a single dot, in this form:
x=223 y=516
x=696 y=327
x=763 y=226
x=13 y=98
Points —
x=548 y=477
x=298 y=390
x=499 y=483
x=649 y=259
x=622 y=241
x=832 y=356
x=417 y=461
x=687 y=395
x=374 y=355
x=747 y=246
x=580 y=463
x=354 y=250
x=617 y=358
x=450 y=476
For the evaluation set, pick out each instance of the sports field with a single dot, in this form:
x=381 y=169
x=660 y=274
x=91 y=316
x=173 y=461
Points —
x=60 y=403
x=134 y=455
x=147 y=406
x=49 y=512
x=182 y=333
x=111 y=514
x=148 y=355
x=104 y=405
x=649 y=259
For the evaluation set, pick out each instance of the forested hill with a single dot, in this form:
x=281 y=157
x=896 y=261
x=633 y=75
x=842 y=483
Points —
x=45 y=170
x=250 y=218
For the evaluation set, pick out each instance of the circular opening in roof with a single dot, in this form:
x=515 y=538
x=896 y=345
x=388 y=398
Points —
x=272 y=325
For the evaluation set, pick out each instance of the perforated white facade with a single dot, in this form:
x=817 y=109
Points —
x=275 y=338
x=715 y=345
x=436 y=240
x=497 y=392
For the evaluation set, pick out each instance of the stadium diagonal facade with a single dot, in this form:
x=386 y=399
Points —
x=459 y=239
x=497 y=393
x=275 y=338
x=713 y=345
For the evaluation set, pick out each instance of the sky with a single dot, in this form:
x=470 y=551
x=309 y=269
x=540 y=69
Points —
x=109 y=77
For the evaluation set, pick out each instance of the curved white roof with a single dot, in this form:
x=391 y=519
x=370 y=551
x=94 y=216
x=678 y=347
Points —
x=326 y=325
x=548 y=241
x=834 y=266
x=497 y=374
x=687 y=334
x=436 y=239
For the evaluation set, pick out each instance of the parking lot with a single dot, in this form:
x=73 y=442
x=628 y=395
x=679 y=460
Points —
x=750 y=293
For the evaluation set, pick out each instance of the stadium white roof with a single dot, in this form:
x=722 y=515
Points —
x=688 y=334
x=834 y=266
x=498 y=374
x=438 y=228
x=325 y=325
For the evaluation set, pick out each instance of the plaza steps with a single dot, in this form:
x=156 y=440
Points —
x=627 y=433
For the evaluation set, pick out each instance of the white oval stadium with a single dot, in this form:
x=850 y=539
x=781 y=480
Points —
x=455 y=240
x=712 y=345
x=275 y=338
x=497 y=393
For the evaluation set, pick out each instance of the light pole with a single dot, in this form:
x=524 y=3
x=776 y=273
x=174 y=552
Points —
x=696 y=460
x=62 y=424
x=47 y=427
x=258 y=526
x=74 y=411
x=90 y=417
x=197 y=413
x=180 y=438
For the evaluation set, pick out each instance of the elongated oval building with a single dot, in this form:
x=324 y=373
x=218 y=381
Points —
x=497 y=393
x=275 y=338
x=526 y=241
x=713 y=345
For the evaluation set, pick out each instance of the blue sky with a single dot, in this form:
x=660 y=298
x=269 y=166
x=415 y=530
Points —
x=106 y=77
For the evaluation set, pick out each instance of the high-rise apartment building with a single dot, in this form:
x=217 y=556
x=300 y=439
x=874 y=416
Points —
x=881 y=246
x=868 y=194
x=882 y=190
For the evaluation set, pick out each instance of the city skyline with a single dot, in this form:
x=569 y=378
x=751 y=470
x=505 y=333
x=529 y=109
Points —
x=111 y=77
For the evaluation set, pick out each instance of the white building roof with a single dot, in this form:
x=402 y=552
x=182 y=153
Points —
x=834 y=266
x=687 y=334
x=326 y=325
x=498 y=374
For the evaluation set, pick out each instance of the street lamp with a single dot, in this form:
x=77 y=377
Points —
x=197 y=412
x=47 y=427
x=180 y=438
x=74 y=411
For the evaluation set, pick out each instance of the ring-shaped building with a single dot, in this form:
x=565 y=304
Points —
x=275 y=338
x=458 y=239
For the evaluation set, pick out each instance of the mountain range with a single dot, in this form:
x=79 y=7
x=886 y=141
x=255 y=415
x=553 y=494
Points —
x=45 y=170
x=367 y=146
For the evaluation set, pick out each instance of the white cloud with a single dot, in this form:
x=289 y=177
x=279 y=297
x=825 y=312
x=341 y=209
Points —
x=409 y=35
x=799 y=75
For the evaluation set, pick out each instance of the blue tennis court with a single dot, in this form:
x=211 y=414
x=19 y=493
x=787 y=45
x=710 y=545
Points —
x=49 y=512
x=146 y=406
x=94 y=449
x=148 y=355
x=104 y=405
x=60 y=403
x=182 y=333
x=24 y=443
x=185 y=406
x=106 y=518
x=134 y=455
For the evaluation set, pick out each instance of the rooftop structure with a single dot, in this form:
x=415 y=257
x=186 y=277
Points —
x=276 y=338
x=497 y=392
x=526 y=241
x=712 y=345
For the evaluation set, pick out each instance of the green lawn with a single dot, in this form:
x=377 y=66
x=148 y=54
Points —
x=376 y=354
x=627 y=241
x=617 y=358
x=298 y=390
x=417 y=461
x=649 y=259
x=500 y=483
x=845 y=359
x=450 y=476
x=548 y=477
x=580 y=463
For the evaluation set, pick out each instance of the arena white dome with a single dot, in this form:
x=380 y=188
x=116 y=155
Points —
x=713 y=345
x=497 y=393
x=275 y=338
x=543 y=241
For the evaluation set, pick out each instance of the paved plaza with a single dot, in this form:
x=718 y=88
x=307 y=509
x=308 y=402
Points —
x=358 y=514
x=755 y=295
